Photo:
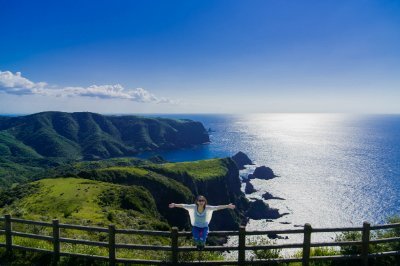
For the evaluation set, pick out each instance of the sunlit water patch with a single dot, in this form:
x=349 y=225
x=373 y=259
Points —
x=334 y=169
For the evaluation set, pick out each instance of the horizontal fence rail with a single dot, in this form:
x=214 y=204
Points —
x=174 y=249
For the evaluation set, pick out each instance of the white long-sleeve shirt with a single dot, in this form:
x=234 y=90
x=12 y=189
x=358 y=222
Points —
x=200 y=219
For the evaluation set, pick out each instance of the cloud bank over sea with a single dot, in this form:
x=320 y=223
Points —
x=16 y=84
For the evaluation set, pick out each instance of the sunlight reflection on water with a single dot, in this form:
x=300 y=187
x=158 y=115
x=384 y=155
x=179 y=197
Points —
x=334 y=169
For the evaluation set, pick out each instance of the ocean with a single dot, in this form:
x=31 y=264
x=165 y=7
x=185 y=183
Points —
x=334 y=169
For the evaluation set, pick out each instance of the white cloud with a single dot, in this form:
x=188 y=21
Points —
x=102 y=91
x=16 y=84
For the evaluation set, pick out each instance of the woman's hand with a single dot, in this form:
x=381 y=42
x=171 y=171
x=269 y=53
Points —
x=230 y=206
x=171 y=205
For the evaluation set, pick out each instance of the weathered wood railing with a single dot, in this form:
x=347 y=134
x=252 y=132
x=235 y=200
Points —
x=175 y=249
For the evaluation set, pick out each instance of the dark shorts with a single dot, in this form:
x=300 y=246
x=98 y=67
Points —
x=200 y=233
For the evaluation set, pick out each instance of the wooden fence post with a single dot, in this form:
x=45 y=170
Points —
x=8 y=229
x=365 y=242
x=307 y=244
x=56 y=241
x=111 y=244
x=174 y=245
x=242 y=245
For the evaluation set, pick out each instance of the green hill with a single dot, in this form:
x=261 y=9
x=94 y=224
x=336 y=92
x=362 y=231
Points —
x=82 y=201
x=217 y=179
x=129 y=193
x=31 y=145
x=15 y=169
x=126 y=190
x=93 y=136
x=73 y=190
x=10 y=146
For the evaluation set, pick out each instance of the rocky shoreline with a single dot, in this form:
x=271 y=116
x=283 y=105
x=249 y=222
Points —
x=258 y=208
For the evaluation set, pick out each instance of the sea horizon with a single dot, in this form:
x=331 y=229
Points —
x=199 y=113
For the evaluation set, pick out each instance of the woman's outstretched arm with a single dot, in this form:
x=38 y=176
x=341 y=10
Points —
x=175 y=205
x=221 y=207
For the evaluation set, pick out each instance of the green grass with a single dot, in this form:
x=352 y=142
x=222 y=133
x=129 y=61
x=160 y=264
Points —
x=90 y=203
x=84 y=201
x=69 y=197
x=88 y=165
x=199 y=170
x=131 y=170
x=143 y=177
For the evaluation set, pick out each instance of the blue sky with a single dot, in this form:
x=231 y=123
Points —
x=200 y=56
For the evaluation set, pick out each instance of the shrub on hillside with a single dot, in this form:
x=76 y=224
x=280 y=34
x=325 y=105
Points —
x=8 y=196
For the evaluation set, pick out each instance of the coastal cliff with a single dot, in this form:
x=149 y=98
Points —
x=217 y=179
x=135 y=193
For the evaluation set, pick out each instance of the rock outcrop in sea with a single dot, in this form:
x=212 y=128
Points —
x=268 y=196
x=241 y=159
x=260 y=210
x=262 y=172
x=249 y=188
x=257 y=209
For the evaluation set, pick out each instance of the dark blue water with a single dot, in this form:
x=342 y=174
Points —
x=334 y=169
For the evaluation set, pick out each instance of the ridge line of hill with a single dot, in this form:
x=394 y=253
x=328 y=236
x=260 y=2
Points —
x=33 y=143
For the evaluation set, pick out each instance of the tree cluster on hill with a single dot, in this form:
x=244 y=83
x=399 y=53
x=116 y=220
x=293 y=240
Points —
x=32 y=144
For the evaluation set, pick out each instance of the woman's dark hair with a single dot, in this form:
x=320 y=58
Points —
x=201 y=197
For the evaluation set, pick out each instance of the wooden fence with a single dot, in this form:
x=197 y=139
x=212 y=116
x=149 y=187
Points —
x=56 y=239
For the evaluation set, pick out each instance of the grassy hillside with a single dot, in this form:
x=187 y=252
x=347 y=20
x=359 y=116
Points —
x=163 y=188
x=217 y=179
x=10 y=146
x=129 y=193
x=199 y=170
x=31 y=145
x=15 y=169
x=74 y=168
x=94 y=136
x=17 y=160
x=74 y=200
x=85 y=202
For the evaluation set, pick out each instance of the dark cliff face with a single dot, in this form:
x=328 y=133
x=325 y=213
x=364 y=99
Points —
x=223 y=191
x=93 y=136
x=219 y=190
